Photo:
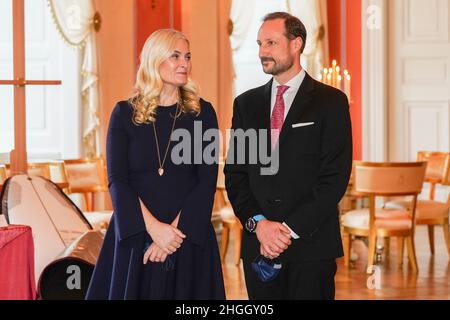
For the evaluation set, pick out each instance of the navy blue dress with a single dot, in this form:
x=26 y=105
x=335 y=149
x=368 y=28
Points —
x=194 y=270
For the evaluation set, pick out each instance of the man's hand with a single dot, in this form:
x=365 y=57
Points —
x=274 y=238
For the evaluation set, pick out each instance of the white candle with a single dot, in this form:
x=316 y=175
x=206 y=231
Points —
x=332 y=72
x=348 y=87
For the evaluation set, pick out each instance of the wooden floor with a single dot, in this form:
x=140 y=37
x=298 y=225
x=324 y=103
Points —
x=432 y=281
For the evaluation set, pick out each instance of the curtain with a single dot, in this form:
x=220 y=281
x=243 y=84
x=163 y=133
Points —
x=74 y=20
x=241 y=15
x=311 y=13
x=225 y=101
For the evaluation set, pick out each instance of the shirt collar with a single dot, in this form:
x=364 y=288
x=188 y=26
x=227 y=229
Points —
x=294 y=83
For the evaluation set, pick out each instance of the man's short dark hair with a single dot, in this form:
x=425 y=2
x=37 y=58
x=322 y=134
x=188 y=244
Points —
x=294 y=27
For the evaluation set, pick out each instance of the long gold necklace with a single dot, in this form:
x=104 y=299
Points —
x=161 y=164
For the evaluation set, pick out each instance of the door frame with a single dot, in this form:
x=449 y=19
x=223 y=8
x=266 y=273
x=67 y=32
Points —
x=375 y=86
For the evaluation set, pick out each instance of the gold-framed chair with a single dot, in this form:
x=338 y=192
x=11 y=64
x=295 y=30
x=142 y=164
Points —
x=87 y=177
x=351 y=200
x=39 y=169
x=54 y=171
x=58 y=172
x=384 y=180
x=8 y=169
x=51 y=170
x=3 y=174
x=230 y=223
x=431 y=212
x=438 y=168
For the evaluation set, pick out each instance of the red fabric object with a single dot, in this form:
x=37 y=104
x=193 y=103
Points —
x=17 y=280
x=277 y=118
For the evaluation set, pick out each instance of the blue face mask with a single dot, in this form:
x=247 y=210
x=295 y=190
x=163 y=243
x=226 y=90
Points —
x=266 y=269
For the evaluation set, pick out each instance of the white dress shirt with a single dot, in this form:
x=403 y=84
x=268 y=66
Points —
x=289 y=96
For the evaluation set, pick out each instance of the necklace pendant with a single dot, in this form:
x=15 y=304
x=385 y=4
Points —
x=160 y=171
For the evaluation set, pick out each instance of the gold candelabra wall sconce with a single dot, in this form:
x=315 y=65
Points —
x=332 y=76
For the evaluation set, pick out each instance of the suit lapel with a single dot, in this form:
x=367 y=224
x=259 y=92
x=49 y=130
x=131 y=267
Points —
x=264 y=121
x=301 y=102
x=265 y=102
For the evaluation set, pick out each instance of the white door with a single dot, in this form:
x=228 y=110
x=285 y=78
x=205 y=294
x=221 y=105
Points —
x=419 y=77
x=53 y=112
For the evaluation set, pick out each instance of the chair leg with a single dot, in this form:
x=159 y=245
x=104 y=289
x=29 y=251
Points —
x=431 y=238
x=92 y=201
x=371 y=252
x=347 y=248
x=224 y=242
x=400 y=249
x=412 y=254
x=387 y=246
x=446 y=230
x=237 y=245
x=87 y=203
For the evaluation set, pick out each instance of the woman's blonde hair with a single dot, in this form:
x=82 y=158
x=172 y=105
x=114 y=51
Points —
x=158 y=47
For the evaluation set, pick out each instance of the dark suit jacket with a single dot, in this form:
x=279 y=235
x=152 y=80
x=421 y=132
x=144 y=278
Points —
x=314 y=169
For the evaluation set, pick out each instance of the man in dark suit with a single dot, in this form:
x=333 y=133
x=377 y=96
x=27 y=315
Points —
x=291 y=214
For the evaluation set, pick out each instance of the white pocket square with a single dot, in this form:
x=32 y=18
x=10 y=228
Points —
x=299 y=125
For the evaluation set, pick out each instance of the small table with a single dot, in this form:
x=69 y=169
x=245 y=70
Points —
x=17 y=281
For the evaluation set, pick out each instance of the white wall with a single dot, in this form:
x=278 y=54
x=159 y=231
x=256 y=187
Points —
x=406 y=80
x=419 y=59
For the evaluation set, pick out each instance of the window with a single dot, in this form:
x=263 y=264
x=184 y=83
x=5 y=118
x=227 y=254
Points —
x=53 y=112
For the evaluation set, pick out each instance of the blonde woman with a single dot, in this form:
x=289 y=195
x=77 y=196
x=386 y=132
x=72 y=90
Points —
x=160 y=243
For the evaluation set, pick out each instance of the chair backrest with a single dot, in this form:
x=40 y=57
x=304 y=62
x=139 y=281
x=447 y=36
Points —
x=39 y=169
x=8 y=169
x=3 y=174
x=54 y=171
x=58 y=172
x=446 y=180
x=438 y=165
x=389 y=179
x=86 y=175
x=438 y=169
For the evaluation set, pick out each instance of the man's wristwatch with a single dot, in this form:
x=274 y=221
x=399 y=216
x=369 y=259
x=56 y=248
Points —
x=252 y=222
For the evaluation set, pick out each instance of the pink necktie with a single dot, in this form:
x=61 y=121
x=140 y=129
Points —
x=277 y=118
